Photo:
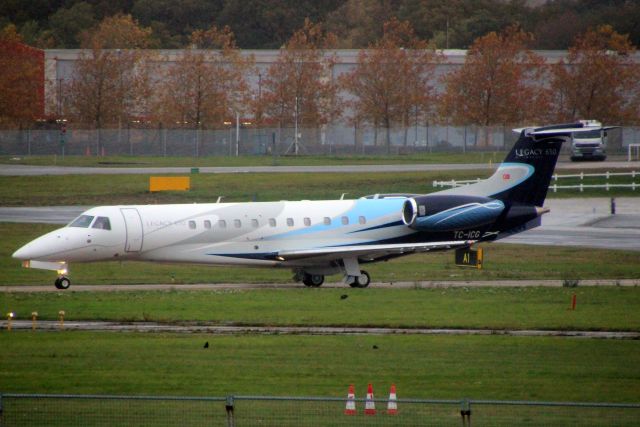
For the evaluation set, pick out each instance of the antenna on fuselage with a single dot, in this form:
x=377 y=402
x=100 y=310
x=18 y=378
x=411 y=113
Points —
x=219 y=199
x=342 y=197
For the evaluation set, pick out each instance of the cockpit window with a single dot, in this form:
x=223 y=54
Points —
x=82 y=221
x=102 y=222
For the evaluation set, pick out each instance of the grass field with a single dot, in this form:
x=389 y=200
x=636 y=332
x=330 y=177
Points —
x=486 y=367
x=94 y=190
x=598 y=308
x=502 y=261
x=493 y=367
x=150 y=161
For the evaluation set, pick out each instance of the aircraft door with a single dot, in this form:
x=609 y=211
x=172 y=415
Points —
x=133 y=224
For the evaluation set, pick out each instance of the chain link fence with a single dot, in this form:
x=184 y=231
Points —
x=248 y=140
x=93 y=410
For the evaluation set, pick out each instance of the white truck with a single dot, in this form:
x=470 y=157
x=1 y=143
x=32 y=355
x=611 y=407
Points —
x=589 y=145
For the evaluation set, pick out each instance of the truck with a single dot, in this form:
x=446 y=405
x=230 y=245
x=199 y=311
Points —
x=589 y=145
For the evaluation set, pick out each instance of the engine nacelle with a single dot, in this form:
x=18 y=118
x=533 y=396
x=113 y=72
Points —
x=452 y=214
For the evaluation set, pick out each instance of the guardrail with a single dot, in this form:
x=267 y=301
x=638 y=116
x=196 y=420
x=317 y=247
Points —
x=90 y=410
x=555 y=187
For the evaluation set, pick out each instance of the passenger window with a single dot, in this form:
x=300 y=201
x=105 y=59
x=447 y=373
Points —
x=207 y=224
x=422 y=210
x=272 y=222
x=222 y=223
x=192 y=225
x=254 y=223
x=237 y=223
x=82 y=221
x=290 y=222
x=102 y=223
x=345 y=220
x=327 y=220
x=362 y=220
x=307 y=221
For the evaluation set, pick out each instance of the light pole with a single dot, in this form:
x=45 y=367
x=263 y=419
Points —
x=237 y=133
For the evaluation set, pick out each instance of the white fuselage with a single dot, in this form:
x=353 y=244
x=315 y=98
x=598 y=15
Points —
x=219 y=233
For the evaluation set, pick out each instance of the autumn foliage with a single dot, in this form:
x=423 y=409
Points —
x=110 y=83
x=499 y=83
x=204 y=87
x=299 y=85
x=597 y=80
x=21 y=80
x=392 y=82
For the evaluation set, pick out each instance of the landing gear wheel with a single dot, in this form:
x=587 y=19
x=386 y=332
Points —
x=362 y=281
x=313 y=280
x=62 y=282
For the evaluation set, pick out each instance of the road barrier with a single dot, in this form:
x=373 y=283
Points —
x=94 y=410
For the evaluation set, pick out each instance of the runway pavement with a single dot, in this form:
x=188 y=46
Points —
x=26 y=170
x=580 y=222
x=52 y=326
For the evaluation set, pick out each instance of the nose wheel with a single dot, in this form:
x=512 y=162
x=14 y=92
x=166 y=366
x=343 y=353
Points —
x=62 y=282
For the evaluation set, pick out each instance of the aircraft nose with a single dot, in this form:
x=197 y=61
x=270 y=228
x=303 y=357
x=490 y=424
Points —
x=40 y=247
x=26 y=252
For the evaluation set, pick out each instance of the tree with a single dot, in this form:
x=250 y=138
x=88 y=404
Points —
x=205 y=87
x=298 y=87
x=357 y=23
x=392 y=80
x=68 y=23
x=21 y=90
x=597 y=79
x=498 y=83
x=109 y=84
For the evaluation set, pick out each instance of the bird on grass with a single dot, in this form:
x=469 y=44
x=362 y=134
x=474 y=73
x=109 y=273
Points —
x=206 y=344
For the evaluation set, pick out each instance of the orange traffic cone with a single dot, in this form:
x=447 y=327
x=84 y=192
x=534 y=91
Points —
x=351 y=402
x=392 y=404
x=370 y=404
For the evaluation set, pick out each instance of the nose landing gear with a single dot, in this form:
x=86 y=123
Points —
x=62 y=282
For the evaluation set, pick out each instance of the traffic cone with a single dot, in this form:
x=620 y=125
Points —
x=351 y=402
x=370 y=404
x=392 y=404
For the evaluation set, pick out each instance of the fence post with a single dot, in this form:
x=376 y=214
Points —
x=465 y=412
x=229 y=408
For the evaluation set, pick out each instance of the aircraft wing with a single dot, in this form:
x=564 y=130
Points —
x=369 y=252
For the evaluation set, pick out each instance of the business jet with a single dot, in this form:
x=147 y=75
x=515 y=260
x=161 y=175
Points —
x=316 y=238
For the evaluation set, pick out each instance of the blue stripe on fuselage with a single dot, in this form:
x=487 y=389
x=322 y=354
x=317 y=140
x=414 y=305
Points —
x=371 y=209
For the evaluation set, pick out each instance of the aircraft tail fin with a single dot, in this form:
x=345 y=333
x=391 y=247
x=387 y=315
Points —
x=526 y=172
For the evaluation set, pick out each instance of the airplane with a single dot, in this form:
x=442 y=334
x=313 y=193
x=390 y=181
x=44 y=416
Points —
x=316 y=238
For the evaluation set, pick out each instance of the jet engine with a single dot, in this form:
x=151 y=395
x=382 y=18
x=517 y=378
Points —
x=448 y=213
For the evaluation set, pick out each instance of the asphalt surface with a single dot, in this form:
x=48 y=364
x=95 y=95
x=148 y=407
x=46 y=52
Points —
x=579 y=222
x=26 y=170
x=51 y=326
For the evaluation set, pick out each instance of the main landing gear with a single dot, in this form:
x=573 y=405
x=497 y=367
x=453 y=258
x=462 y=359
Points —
x=313 y=280
x=361 y=281
x=62 y=282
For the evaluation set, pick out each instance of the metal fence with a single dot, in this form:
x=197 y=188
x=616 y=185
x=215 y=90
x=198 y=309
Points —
x=576 y=177
x=248 y=140
x=95 y=410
